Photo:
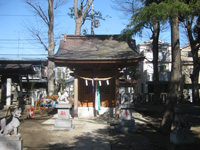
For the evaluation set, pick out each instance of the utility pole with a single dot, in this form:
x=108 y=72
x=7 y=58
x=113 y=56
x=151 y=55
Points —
x=92 y=21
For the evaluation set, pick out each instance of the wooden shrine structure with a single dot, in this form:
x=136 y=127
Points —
x=95 y=62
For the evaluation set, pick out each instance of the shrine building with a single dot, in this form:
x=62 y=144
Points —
x=95 y=62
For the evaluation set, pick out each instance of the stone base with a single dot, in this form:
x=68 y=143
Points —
x=63 y=124
x=85 y=112
x=127 y=126
x=63 y=128
x=11 y=142
x=181 y=138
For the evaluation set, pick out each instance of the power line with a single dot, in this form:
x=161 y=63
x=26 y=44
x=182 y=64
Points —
x=16 y=43
x=26 y=39
x=21 y=39
x=11 y=15
x=20 y=48
x=26 y=54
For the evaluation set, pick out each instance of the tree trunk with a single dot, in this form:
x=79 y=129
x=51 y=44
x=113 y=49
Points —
x=195 y=75
x=78 y=27
x=196 y=65
x=175 y=77
x=51 y=47
x=156 y=28
x=79 y=18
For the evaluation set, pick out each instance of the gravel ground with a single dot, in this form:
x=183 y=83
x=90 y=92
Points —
x=148 y=136
x=39 y=136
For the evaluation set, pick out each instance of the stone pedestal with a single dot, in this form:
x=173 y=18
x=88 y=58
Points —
x=127 y=123
x=181 y=133
x=178 y=137
x=11 y=142
x=63 y=122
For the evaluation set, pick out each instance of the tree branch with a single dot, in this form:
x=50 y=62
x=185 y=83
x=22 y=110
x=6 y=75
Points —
x=59 y=3
x=38 y=12
x=75 y=9
x=45 y=17
x=86 y=9
x=37 y=35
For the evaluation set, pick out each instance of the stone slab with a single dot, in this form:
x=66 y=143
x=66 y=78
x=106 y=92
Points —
x=63 y=128
x=181 y=138
x=127 y=129
x=126 y=126
x=126 y=123
x=63 y=105
x=63 y=123
x=11 y=143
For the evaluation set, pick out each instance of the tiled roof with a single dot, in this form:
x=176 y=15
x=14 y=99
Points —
x=13 y=69
x=98 y=47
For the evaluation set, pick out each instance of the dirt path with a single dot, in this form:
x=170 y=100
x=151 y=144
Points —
x=148 y=137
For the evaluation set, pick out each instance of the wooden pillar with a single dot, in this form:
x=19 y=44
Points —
x=3 y=90
x=20 y=94
x=75 y=97
x=117 y=97
x=8 y=91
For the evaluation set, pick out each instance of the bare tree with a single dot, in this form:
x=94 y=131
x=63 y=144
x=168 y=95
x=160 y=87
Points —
x=79 y=13
x=48 y=19
x=128 y=7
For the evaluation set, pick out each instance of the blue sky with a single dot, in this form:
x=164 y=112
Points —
x=16 y=16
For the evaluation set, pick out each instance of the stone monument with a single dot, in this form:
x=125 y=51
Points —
x=181 y=133
x=126 y=122
x=8 y=141
x=63 y=122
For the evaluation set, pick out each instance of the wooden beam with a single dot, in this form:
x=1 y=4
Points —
x=96 y=61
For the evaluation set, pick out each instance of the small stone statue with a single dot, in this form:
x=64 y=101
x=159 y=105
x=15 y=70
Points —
x=13 y=125
x=181 y=122
x=63 y=98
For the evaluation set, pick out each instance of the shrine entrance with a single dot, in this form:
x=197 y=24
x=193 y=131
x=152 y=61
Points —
x=105 y=89
x=95 y=62
x=96 y=88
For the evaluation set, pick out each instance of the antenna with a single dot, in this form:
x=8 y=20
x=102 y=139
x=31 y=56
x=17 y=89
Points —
x=18 y=32
x=19 y=41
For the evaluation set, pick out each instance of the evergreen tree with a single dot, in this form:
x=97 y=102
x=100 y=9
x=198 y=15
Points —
x=190 y=17
x=150 y=16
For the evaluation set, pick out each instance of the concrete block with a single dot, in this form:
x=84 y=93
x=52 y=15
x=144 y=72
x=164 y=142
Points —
x=11 y=142
x=127 y=126
x=63 y=123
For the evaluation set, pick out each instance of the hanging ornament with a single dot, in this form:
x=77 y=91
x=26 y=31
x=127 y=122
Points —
x=86 y=82
x=107 y=82
x=93 y=84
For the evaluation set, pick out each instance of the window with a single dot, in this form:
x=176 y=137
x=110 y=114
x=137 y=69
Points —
x=189 y=54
